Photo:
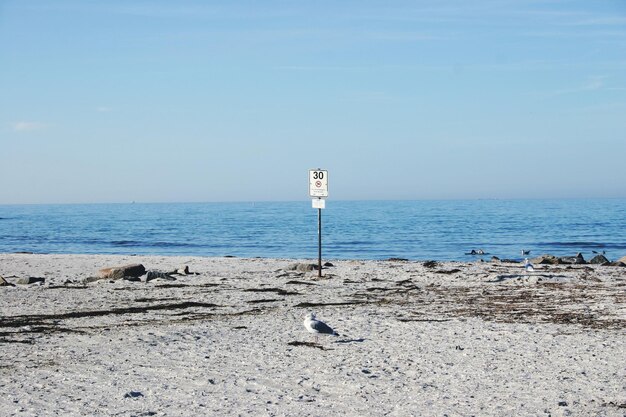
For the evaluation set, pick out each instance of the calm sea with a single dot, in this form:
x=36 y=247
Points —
x=417 y=230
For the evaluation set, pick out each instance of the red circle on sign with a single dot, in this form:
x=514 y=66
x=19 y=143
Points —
x=318 y=184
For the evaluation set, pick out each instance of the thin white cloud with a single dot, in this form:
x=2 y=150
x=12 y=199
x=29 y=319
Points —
x=323 y=68
x=23 y=126
x=596 y=83
x=602 y=21
x=404 y=36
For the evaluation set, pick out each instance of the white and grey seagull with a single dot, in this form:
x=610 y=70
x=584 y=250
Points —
x=317 y=327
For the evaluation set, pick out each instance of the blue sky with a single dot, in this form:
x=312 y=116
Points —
x=159 y=101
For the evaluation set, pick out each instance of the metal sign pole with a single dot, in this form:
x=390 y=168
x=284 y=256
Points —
x=318 y=190
x=319 y=242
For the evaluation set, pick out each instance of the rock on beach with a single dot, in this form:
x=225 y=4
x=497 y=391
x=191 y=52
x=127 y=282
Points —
x=599 y=260
x=119 y=272
x=302 y=267
x=545 y=260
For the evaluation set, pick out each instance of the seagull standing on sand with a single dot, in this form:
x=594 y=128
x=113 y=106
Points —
x=529 y=267
x=317 y=327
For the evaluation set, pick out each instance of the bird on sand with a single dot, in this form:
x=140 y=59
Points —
x=528 y=266
x=317 y=327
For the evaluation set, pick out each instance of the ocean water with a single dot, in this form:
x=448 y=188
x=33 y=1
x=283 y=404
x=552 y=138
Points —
x=416 y=230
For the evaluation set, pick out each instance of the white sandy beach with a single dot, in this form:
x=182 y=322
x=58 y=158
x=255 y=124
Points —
x=455 y=339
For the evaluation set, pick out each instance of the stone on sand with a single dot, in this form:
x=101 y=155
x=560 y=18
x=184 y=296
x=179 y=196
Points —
x=545 y=260
x=119 y=272
x=573 y=260
x=302 y=267
x=599 y=259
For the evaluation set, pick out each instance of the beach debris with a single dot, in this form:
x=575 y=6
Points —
x=295 y=282
x=622 y=260
x=614 y=404
x=119 y=272
x=264 y=300
x=5 y=283
x=317 y=327
x=397 y=260
x=307 y=304
x=92 y=279
x=183 y=270
x=448 y=271
x=328 y=265
x=430 y=264
x=152 y=275
x=133 y=394
x=599 y=259
x=495 y=259
x=308 y=344
x=278 y=291
x=30 y=280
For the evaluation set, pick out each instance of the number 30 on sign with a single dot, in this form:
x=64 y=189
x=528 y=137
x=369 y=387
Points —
x=318 y=183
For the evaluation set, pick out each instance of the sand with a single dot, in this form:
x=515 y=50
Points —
x=455 y=339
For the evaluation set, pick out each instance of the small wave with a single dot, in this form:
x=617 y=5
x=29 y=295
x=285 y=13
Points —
x=615 y=246
x=173 y=245
x=126 y=243
x=575 y=244
x=352 y=242
x=136 y=244
x=585 y=245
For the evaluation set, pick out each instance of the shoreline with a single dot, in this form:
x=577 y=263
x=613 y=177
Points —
x=456 y=338
x=417 y=230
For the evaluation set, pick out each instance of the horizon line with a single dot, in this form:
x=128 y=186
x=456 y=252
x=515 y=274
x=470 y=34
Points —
x=308 y=199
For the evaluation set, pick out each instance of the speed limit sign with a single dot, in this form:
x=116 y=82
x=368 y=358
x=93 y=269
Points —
x=318 y=183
